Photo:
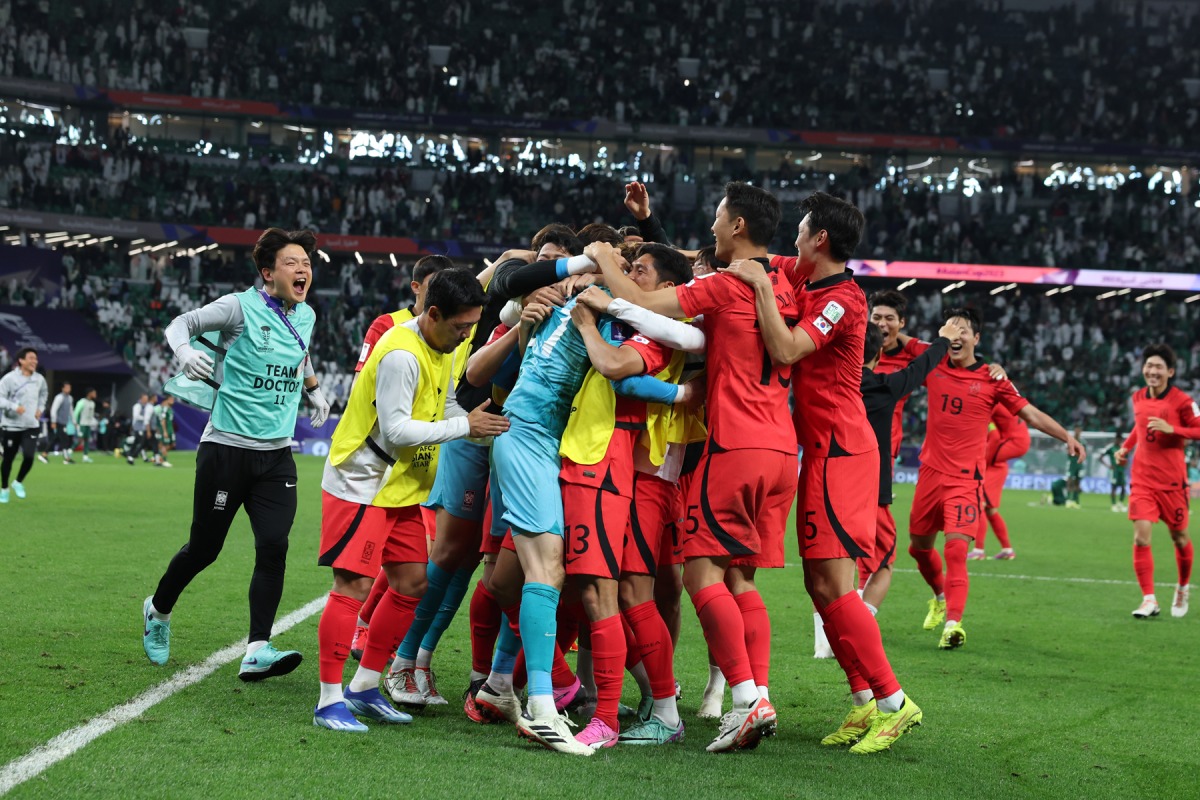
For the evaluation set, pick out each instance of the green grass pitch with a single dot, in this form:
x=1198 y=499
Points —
x=1057 y=693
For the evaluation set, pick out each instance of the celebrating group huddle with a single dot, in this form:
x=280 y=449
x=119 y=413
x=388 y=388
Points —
x=591 y=414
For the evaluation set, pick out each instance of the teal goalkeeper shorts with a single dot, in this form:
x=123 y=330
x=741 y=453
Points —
x=525 y=490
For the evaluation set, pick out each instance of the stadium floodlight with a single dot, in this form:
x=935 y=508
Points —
x=953 y=286
x=906 y=284
x=358 y=257
x=1192 y=299
x=392 y=256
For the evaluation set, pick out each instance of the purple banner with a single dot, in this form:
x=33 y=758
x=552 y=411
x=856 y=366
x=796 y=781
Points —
x=63 y=339
x=33 y=267
x=190 y=422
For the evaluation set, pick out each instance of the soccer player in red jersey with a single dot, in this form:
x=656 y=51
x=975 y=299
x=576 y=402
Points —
x=740 y=503
x=1164 y=416
x=834 y=525
x=1008 y=438
x=597 y=484
x=949 y=494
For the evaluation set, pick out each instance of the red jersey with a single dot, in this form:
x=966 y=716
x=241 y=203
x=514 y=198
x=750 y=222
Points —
x=829 y=414
x=747 y=397
x=1160 y=462
x=382 y=324
x=895 y=360
x=961 y=401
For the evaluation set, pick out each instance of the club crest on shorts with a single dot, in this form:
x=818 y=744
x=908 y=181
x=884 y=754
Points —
x=220 y=501
x=823 y=325
x=469 y=498
x=832 y=311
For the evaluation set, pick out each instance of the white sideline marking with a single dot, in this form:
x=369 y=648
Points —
x=43 y=757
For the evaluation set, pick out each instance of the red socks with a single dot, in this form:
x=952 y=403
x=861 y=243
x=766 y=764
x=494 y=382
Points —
x=857 y=631
x=652 y=646
x=1143 y=567
x=1001 y=529
x=1183 y=560
x=608 y=667
x=373 y=597
x=391 y=621
x=758 y=635
x=929 y=564
x=724 y=631
x=485 y=627
x=957 y=582
x=334 y=632
x=858 y=683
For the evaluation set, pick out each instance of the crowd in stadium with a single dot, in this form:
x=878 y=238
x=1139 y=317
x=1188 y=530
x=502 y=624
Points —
x=924 y=66
x=1040 y=340
x=1130 y=224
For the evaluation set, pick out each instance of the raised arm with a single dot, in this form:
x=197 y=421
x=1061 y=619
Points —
x=1036 y=418
x=671 y=332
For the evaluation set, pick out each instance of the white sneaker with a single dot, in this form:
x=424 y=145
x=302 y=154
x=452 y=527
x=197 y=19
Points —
x=742 y=728
x=87 y=459
x=401 y=684
x=1179 y=606
x=166 y=464
x=42 y=458
x=501 y=707
x=976 y=555
x=427 y=686
x=553 y=733
x=1148 y=608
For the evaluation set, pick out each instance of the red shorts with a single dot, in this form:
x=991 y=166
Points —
x=594 y=523
x=1169 y=506
x=832 y=519
x=738 y=506
x=360 y=538
x=885 y=541
x=613 y=472
x=993 y=484
x=654 y=525
x=945 y=503
x=429 y=517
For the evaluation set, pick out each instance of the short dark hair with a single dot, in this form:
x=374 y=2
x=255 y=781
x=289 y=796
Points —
x=275 y=239
x=24 y=351
x=707 y=255
x=841 y=220
x=559 y=234
x=965 y=312
x=892 y=299
x=453 y=290
x=629 y=230
x=670 y=264
x=758 y=207
x=873 y=343
x=599 y=232
x=1163 y=351
x=88 y=391
x=428 y=265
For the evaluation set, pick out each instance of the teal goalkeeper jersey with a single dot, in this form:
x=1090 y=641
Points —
x=555 y=364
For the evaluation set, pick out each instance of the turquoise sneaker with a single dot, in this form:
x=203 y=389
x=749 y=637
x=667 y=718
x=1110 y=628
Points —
x=156 y=636
x=641 y=713
x=267 y=662
x=336 y=717
x=652 y=731
x=18 y=489
x=371 y=703
x=3 y=495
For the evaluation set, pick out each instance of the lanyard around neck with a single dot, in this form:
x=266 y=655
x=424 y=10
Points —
x=277 y=307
